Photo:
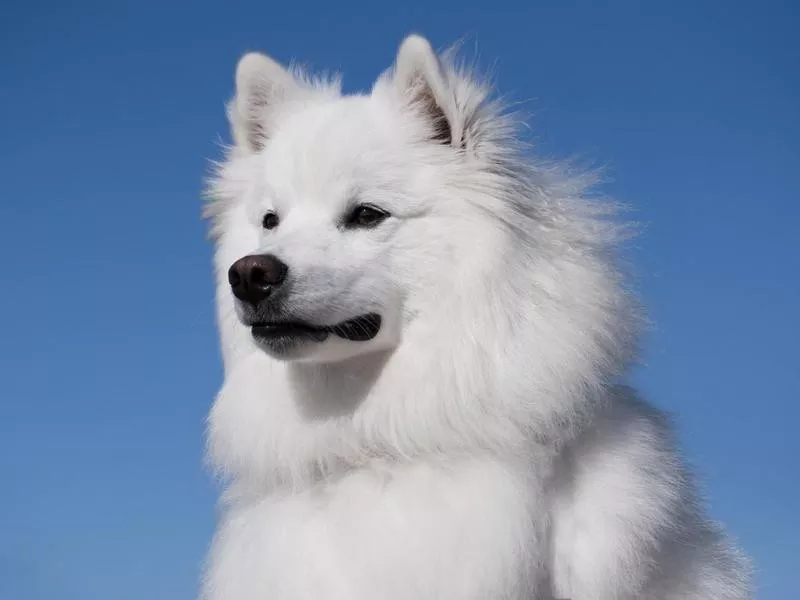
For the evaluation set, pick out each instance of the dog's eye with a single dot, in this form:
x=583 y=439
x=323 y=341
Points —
x=270 y=221
x=365 y=215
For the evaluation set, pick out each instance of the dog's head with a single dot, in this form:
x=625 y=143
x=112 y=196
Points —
x=406 y=224
x=342 y=219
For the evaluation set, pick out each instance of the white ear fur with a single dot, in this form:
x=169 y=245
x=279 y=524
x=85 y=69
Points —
x=261 y=85
x=420 y=79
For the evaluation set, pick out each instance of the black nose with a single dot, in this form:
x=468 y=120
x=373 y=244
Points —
x=254 y=277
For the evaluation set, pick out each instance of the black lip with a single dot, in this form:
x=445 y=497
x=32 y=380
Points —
x=359 y=329
x=287 y=330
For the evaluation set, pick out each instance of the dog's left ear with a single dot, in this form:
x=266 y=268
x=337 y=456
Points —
x=421 y=81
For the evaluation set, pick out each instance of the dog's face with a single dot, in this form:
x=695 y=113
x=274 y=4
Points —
x=324 y=281
x=337 y=217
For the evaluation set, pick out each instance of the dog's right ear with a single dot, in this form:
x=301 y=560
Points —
x=261 y=86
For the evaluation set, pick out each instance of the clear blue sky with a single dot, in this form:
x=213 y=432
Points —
x=108 y=112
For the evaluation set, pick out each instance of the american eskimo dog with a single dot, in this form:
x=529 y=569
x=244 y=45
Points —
x=425 y=335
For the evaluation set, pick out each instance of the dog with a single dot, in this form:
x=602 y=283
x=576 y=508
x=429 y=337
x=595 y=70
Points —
x=425 y=336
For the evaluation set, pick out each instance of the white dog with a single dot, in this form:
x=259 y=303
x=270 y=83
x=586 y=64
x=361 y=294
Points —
x=423 y=334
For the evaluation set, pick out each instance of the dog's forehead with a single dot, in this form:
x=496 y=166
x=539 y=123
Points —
x=324 y=148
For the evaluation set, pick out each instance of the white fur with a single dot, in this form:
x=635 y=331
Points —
x=480 y=447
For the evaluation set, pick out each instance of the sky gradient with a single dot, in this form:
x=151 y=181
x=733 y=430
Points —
x=109 y=112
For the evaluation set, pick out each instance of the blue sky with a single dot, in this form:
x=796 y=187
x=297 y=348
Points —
x=108 y=112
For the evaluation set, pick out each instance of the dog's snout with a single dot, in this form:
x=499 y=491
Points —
x=253 y=278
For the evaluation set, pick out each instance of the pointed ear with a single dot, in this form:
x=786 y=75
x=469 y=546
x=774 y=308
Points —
x=421 y=81
x=261 y=86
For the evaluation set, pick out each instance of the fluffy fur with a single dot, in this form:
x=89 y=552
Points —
x=481 y=446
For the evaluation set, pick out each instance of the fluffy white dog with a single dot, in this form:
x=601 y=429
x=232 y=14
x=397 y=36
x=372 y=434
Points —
x=423 y=333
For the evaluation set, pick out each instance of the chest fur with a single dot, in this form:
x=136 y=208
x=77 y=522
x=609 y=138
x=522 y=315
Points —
x=449 y=531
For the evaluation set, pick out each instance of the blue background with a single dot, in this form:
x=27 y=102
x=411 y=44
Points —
x=108 y=112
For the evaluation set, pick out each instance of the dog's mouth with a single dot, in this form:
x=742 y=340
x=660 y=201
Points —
x=359 y=329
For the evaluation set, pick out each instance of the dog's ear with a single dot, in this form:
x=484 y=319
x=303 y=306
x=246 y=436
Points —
x=261 y=86
x=421 y=81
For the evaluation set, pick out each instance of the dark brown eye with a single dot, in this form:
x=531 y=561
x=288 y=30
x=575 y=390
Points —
x=365 y=215
x=270 y=221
